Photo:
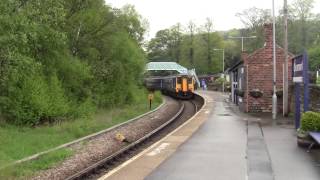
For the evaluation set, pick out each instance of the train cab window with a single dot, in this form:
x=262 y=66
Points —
x=189 y=80
x=179 y=80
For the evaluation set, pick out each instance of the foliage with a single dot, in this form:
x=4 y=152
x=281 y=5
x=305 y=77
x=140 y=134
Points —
x=19 y=142
x=27 y=169
x=256 y=93
x=279 y=93
x=63 y=59
x=314 y=58
x=303 y=29
x=310 y=121
x=220 y=80
x=191 y=49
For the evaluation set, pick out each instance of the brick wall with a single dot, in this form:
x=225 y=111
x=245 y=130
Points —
x=260 y=74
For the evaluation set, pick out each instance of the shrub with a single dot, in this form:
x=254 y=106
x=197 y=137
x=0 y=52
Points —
x=220 y=80
x=310 y=121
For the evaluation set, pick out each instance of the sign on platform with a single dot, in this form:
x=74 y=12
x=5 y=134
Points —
x=300 y=75
x=298 y=69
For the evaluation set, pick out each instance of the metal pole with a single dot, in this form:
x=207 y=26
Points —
x=223 y=70
x=274 y=97
x=242 y=40
x=285 y=84
x=222 y=67
x=242 y=44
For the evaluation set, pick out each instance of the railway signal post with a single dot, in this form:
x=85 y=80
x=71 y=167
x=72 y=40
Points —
x=150 y=97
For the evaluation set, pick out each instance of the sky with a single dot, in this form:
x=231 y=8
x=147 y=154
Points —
x=162 y=14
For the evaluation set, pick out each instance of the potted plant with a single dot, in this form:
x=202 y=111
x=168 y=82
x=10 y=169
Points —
x=310 y=121
x=279 y=93
x=256 y=93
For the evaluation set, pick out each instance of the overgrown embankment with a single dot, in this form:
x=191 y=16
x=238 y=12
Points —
x=64 y=59
x=19 y=142
x=61 y=63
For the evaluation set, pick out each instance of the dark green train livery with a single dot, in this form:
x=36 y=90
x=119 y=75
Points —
x=179 y=86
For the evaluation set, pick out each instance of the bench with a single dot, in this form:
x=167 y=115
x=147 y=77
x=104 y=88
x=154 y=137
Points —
x=316 y=137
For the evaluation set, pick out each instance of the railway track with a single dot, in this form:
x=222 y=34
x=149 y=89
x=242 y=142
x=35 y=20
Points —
x=94 y=171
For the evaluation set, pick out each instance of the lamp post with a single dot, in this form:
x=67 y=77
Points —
x=242 y=38
x=274 y=96
x=222 y=66
x=285 y=44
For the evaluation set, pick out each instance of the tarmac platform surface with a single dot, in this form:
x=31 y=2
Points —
x=223 y=144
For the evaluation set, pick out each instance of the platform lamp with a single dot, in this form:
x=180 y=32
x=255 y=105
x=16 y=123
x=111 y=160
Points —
x=222 y=67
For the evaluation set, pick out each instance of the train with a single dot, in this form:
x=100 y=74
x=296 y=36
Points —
x=179 y=86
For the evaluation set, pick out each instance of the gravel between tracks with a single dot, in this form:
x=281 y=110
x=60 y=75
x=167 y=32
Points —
x=106 y=144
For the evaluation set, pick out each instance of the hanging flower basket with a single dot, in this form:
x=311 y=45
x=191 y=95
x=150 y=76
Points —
x=256 y=93
x=279 y=93
x=239 y=92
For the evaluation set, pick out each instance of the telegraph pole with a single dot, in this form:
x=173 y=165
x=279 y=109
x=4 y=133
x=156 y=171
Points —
x=222 y=66
x=242 y=39
x=285 y=88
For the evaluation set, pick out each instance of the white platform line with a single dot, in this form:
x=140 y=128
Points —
x=110 y=173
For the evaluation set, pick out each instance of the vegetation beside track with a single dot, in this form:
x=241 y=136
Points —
x=19 y=142
x=61 y=60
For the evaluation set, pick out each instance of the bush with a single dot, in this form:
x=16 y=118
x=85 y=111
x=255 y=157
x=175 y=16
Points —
x=48 y=75
x=310 y=121
x=220 y=80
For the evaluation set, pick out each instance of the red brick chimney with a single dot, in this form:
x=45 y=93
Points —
x=244 y=56
x=268 y=35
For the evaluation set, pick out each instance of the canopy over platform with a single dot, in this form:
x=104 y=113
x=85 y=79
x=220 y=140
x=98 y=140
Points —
x=171 y=66
x=166 y=66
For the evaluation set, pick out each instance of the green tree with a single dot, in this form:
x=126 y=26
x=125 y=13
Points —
x=61 y=59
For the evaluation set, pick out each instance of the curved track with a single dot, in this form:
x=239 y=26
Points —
x=187 y=110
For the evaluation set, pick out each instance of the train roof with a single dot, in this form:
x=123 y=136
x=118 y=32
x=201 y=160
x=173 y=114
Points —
x=171 y=76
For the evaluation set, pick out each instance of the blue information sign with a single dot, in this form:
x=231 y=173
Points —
x=300 y=75
x=298 y=69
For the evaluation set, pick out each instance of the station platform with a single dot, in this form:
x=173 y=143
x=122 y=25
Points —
x=223 y=144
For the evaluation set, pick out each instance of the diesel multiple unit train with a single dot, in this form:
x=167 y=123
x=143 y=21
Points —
x=179 y=86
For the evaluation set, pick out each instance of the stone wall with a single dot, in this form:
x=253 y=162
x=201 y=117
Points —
x=314 y=98
x=314 y=103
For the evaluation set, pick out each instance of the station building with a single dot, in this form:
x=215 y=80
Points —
x=252 y=77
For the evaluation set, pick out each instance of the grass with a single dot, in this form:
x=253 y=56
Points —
x=19 y=142
x=28 y=168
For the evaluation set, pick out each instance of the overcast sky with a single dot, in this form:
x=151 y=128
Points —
x=162 y=14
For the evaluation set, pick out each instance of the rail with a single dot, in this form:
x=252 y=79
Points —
x=88 y=170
